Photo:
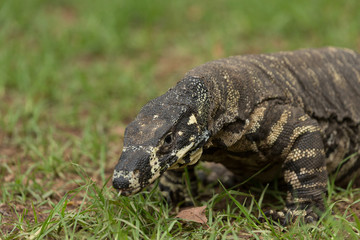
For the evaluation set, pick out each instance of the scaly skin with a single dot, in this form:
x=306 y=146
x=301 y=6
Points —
x=295 y=113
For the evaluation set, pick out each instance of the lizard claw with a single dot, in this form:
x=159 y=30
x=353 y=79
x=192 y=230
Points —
x=288 y=216
x=281 y=217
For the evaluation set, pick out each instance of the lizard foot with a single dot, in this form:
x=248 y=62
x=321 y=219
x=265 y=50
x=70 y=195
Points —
x=288 y=216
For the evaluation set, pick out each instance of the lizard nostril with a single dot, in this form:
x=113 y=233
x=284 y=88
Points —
x=120 y=183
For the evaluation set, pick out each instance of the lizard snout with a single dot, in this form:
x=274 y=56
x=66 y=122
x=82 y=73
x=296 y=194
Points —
x=126 y=182
x=120 y=182
x=126 y=176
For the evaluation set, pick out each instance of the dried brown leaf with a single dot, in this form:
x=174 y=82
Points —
x=195 y=214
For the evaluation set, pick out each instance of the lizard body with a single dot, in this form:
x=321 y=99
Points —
x=295 y=115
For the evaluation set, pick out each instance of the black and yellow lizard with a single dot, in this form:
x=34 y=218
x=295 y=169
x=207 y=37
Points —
x=296 y=114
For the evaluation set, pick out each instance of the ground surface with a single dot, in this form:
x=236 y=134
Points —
x=73 y=74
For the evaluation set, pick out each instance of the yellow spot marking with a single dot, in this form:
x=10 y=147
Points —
x=304 y=171
x=313 y=185
x=192 y=119
x=194 y=158
x=180 y=154
x=292 y=178
x=256 y=117
x=154 y=163
x=297 y=154
x=134 y=179
x=298 y=131
x=304 y=118
x=277 y=128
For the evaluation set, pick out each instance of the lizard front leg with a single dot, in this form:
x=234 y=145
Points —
x=173 y=186
x=297 y=139
x=305 y=172
x=305 y=176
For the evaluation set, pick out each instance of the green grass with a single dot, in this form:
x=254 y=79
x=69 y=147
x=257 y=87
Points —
x=74 y=73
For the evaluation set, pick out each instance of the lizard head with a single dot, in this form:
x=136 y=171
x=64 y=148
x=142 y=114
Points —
x=168 y=133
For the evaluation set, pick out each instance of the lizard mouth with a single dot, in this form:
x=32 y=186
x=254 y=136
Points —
x=127 y=192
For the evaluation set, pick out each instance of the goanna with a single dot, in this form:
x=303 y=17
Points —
x=294 y=115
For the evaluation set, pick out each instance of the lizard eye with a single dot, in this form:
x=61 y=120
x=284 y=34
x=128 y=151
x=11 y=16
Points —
x=167 y=143
x=168 y=139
